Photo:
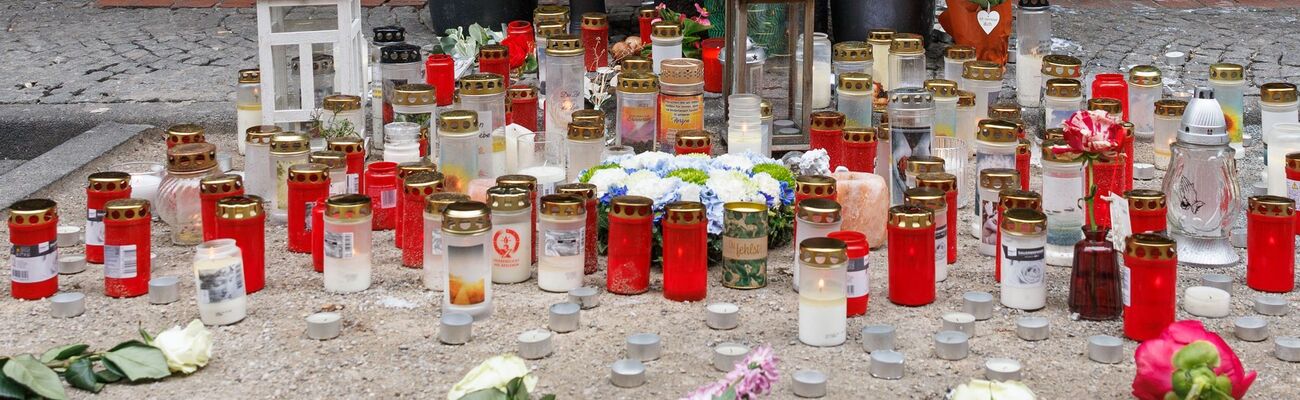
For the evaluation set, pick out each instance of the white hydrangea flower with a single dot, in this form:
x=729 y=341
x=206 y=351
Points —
x=605 y=178
x=662 y=191
x=651 y=160
x=768 y=185
x=731 y=186
x=693 y=160
x=735 y=162
x=689 y=191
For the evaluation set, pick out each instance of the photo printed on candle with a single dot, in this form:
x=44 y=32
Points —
x=916 y=142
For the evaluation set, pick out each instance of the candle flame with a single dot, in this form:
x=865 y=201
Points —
x=821 y=284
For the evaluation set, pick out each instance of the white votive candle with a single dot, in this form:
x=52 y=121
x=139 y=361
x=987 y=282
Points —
x=722 y=316
x=726 y=355
x=1205 y=301
x=219 y=282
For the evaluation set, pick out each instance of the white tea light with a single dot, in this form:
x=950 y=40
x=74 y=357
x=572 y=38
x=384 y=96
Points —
x=877 y=337
x=644 y=347
x=1220 y=281
x=722 y=316
x=1237 y=236
x=979 y=304
x=887 y=364
x=1287 y=348
x=1032 y=328
x=455 y=328
x=1205 y=301
x=72 y=264
x=535 y=344
x=959 y=321
x=1105 y=349
x=1002 y=369
x=1269 y=304
x=951 y=345
x=1144 y=171
x=164 y=290
x=809 y=383
x=69 y=235
x=67 y=304
x=1251 y=329
x=627 y=373
x=726 y=355
x=585 y=297
x=564 y=317
x=324 y=325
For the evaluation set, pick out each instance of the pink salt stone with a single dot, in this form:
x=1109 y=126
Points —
x=864 y=199
x=478 y=188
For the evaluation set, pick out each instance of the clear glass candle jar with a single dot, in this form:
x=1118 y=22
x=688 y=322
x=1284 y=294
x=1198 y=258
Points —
x=984 y=79
x=248 y=104
x=1277 y=104
x=402 y=142
x=852 y=56
x=907 y=61
x=458 y=136
x=1270 y=247
x=1024 y=237
x=954 y=61
x=815 y=218
x=744 y=245
x=666 y=43
x=1033 y=41
x=485 y=94
x=337 y=163
x=565 y=81
x=638 y=110
x=219 y=282
x=910 y=231
x=414 y=103
x=631 y=223
x=435 y=270
x=936 y=201
x=855 y=98
x=1061 y=66
x=685 y=251
x=512 y=234
x=347 y=243
x=911 y=122
x=1229 y=84
x=945 y=97
x=243 y=219
x=399 y=64
x=1062 y=189
x=466 y=247
x=995 y=147
x=1062 y=98
x=178 y=202
x=584 y=144
x=128 y=244
x=1150 y=285
x=343 y=116
x=1169 y=115
x=1203 y=171
x=286 y=150
x=821 y=72
x=880 y=40
x=259 y=173
x=102 y=187
x=681 y=100
x=1145 y=87
x=991 y=182
x=562 y=226
x=33 y=226
x=586 y=192
x=823 y=301
x=745 y=124
x=967 y=118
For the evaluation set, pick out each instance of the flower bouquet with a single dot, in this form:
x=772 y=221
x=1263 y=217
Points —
x=666 y=178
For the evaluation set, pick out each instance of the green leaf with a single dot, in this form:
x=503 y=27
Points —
x=730 y=394
x=145 y=334
x=548 y=397
x=129 y=343
x=107 y=376
x=11 y=390
x=139 y=362
x=485 y=394
x=63 y=352
x=516 y=390
x=81 y=375
x=35 y=376
x=111 y=370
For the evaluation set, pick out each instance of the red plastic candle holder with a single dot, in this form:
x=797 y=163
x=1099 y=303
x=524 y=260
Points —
x=1022 y=163
x=693 y=142
x=212 y=189
x=858 y=282
x=1113 y=86
x=381 y=186
x=101 y=188
x=911 y=256
x=440 y=72
x=827 y=133
x=860 y=149
x=1146 y=211
x=630 y=230
x=1152 y=263
x=307 y=182
x=127 y=248
x=415 y=188
x=522 y=100
x=595 y=40
x=587 y=192
x=686 y=251
x=1270 y=244
x=318 y=236
x=710 y=49
x=948 y=184
x=33 y=233
x=1108 y=174
x=243 y=219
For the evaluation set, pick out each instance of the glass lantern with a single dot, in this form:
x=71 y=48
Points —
x=1202 y=185
x=799 y=27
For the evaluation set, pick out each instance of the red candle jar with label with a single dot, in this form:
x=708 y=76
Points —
x=686 y=251
x=860 y=149
x=381 y=186
x=1146 y=210
x=693 y=142
x=858 y=282
x=529 y=183
x=827 y=133
x=243 y=218
x=587 y=192
x=1009 y=199
x=948 y=184
x=1108 y=174
x=523 y=106
x=183 y=134
x=33 y=233
x=1115 y=87
x=813 y=187
x=405 y=170
x=1270 y=244
x=911 y=255
x=215 y=188
x=318 y=235
x=644 y=18
x=415 y=188
x=710 y=49
x=356 y=160
x=595 y=38
x=1022 y=162
x=1151 y=261
x=101 y=188
x=495 y=58
x=307 y=182
x=128 y=244
x=1293 y=183
x=440 y=72
x=631 y=221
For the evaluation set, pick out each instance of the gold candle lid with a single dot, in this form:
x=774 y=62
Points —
x=184 y=133
x=815 y=185
x=309 y=173
x=332 y=159
x=819 y=211
x=996 y=131
x=638 y=82
x=859 y=134
x=1012 y=198
x=1151 y=246
x=239 y=208
x=665 y=29
x=562 y=205
x=647 y=12
x=595 y=20
x=637 y=64
x=551 y=13
x=917 y=165
x=631 y=207
x=127 y=210
x=347 y=207
x=906 y=43
x=589 y=115
x=910 y=217
x=221 y=184
x=521 y=92
x=1293 y=161
x=1145 y=76
x=493 y=52
x=1005 y=112
x=823 y=252
x=346 y=145
x=108 y=181
x=435 y=203
x=414 y=167
x=927 y=197
x=851 y=82
x=1227 y=72
x=999 y=178
x=1054 y=133
x=1272 y=206
x=939 y=180
x=422 y=184
x=685 y=213
x=1049 y=155
x=1170 y=108
x=528 y=182
x=1109 y=105
x=507 y=198
x=484 y=83
x=681 y=71
x=1064 y=87
x=586 y=191
x=1024 y=222
x=547 y=29
x=261 y=134
x=586 y=131
x=828 y=120
x=693 y=139
x=765 y=107
x=1145 y=199
x=458 y=123
x=965 y=98
x=851 y=51
x=1062 y=66
x=191 y=157
x=289 y=143
x=980 y=70
x=880 y=36
x=250 y=75
x=33 y=212
x=564 y=45
x=882 y=132
x=413 y=94
x=338 y=103
x=941 y=87
x=960 y=52
x=1022 y=146
x=1277 y=92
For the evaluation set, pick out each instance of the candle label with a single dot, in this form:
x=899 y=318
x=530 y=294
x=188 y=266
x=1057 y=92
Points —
x=37 y=262
x=1125 y=282
x=1293 y=189
x=466 y=275
x=560 y=243
x=306 y=215
x=505 y=245
x=94 y=227
x=676 y=114
x=988 y=225
x=941 y=239
x=388 y=197
x=915 y=142
x=859 y=281
x=120 y=261
x=221 y=284
x=338 y=187
x=636 y=125
x=354 y=181
x=744 y=250
x=1026 y=267
x=985 y=161
x=339 y=245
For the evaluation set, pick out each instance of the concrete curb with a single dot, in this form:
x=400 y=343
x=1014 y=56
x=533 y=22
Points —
x=67 y=157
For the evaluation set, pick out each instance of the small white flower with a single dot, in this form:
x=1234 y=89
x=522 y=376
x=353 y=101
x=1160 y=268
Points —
x=979 y=389
x=186 y=349
x=662 y=191
x=494 y=372
x=768 y=186
x=605 y=178
x=689 y=191
x=729 y=161
x=731 y=186
x=651 y=160
x=815 y=162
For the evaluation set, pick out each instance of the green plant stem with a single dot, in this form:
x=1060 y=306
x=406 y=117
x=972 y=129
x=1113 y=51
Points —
x=1090 y=198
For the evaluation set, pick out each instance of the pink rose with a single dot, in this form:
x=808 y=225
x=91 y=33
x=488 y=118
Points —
x=1091 y=132
x=1157 y=362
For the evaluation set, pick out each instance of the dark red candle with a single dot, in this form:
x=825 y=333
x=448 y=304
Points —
x=522 y=100
x=911 y=255
x=101 y=188
x=33 y=232
x=587 y=192
x=318 y=236
x=595 y=39
x=355 y=149
x=947 y=183
x=440 y=72
x=630 y=228
x=415 y=188
x=127 y=248
x=693 y=142
x=381 y=186
x=686 y=251
x=1270 y=247
x=1146 y=209
x=1009 y=199
x=243 y=218
x=215 y=188
x=860 y=149
x=813 y=187
x=1151 y=261
x=644 y=18
x=1108 y=174
x=827 y=133
x=1022 y=162
x=307 y=182
x=858 y=282
x=405 y=170
x=710 y=50
x=495 y=58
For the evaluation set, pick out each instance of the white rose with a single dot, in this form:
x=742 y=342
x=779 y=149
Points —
x=605 y=178
x=768 y=185
x=732 y=186
x=689 y=192
x=731 y=161
x=979 y=389
x=494 y=372
x=186 y=349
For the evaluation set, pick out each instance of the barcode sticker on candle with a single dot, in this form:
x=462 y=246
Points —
x=306 y=215
x=222 y=283
x=120 y=262
x=94 y=227
x=859 y=281
x=338 y=244
x=388 y=198
x=564 y=243
x=1125 y=280
x=354 y=183
x=35 y=263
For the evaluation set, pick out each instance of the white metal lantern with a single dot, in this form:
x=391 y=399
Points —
x=326 y=32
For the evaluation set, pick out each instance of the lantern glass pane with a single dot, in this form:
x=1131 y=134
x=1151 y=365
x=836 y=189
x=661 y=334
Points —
x=304 y=18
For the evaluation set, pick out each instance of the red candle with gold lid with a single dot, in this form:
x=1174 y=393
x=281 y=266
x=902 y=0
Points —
x=813 y=187
x=1151 y=265
x=522 y=102
x=1293 y=183
x=128 y=243
x=102 y=187
x=827 y=133
x=1009 y=199
x=440 y=72
x=685 y=251
x=910 y=233
x=595 y=38
x=693 y=142
x=1022 y=162
x=243 y=218
x=1130 y=136
x=858 y=282
x=183 y=134
x=405 y=170
x=631 y=222
x=307 y=182
x=33 y=234
x=645 y=17
x=415 y=188
x=382 y=186
x=1146 y=210
x=1270 y=244
x=1108 y=174
x=318 y=235
x=860 y=149
x=215 y=188
x=495 y=59
x=948 y=184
